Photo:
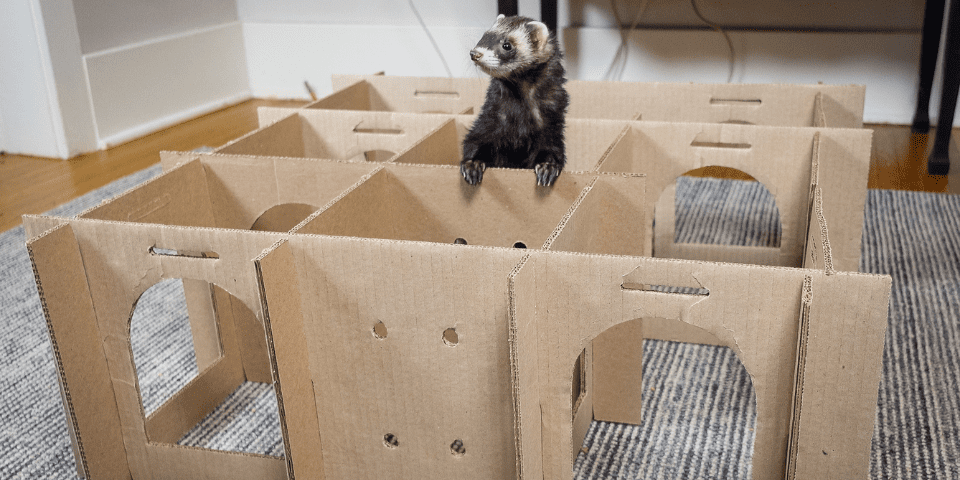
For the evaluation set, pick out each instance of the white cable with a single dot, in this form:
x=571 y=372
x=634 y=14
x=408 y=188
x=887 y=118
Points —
x=623 y=50
x=432 y=41
x=718 y=28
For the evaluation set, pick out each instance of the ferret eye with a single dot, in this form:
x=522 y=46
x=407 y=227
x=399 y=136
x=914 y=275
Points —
x=507 y=46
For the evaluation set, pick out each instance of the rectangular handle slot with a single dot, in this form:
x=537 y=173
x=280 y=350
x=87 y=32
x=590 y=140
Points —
x=169 y=252
x=752 y=102
x=735 y=146
x=437 y=94
x=377 y=130
x=673 y=290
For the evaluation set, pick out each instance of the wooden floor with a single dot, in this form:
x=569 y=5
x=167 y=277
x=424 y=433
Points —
x=35 y=185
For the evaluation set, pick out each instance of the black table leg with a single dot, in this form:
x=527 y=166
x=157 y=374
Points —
x=508 y=7
x=929 y=47
x=548 y=15
x=939 y=161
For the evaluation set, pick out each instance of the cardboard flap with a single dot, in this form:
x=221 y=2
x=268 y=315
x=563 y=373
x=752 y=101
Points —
x=843 y=358
x=283 y=138
x=91 y=407
x=287 y=343
x=36 y=225
x=609 y=218
x=844 y=163
x=439 y=147
x=176 y=197
x=355 y=96
x=525 y=371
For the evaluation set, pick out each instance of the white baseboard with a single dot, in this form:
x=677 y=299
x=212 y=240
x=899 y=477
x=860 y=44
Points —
x=282 y=56
x=141 y=88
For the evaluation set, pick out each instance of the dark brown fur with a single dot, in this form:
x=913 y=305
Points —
x=522 y=120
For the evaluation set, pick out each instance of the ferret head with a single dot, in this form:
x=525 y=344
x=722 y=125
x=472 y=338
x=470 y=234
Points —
x=512 y=45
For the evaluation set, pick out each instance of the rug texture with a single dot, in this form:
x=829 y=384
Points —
x=699 y=411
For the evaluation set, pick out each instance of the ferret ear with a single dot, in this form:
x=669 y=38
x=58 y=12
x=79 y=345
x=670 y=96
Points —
x=499 y=19
x=540 y=33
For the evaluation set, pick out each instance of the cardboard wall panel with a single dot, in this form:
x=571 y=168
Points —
x=759 y=336
x=402 y=379
x=665 y=156
x=118 y=272
x=91 y=409
x=839 y=106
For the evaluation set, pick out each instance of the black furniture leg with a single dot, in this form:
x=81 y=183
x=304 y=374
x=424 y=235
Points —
x=929 y=47
x=548 y=15
x=939 y=161
x=509 y=7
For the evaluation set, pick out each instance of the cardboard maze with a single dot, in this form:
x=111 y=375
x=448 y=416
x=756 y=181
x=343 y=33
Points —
x=343 y=283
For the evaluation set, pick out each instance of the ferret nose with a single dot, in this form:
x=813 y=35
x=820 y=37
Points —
x=475 y=55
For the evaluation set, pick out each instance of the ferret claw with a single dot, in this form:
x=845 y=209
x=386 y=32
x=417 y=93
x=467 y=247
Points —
x=472 y=171
x=547 y=173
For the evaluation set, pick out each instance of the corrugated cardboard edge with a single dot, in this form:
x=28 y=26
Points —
x=105 y=455
x=514 y=365
x=302 y=444
x=566 y=217
x=841 y=375
x=802 y=339
x=623 y=133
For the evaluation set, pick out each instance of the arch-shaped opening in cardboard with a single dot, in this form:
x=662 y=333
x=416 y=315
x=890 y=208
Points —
x=716 y=205
x=283 y=217
x=194 y=388
x=698 y=415
x=162 y=343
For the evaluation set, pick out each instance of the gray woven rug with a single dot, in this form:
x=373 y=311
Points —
x=699 y=410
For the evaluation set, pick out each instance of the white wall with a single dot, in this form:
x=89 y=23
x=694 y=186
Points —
x=29 y=116
x=82 y=75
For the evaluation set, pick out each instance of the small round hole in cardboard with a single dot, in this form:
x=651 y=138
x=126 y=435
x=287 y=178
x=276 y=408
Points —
x=450 y=337
x=380 y=330
x=457 y=448
x=390 y=441
x=459 y=241
x=519 y=245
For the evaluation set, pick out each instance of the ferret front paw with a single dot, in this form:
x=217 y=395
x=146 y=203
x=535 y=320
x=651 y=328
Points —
x=547 y=173
x=472 y=171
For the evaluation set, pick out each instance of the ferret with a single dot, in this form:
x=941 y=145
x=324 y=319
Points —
x=521 y=122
